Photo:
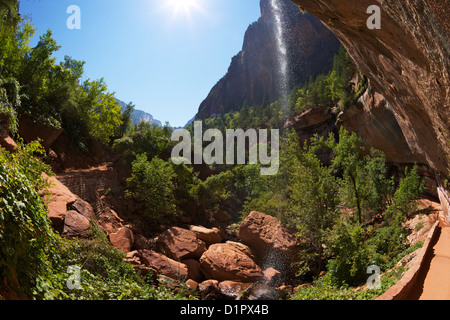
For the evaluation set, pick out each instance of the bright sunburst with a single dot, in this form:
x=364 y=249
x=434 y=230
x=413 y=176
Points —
x=183 y=7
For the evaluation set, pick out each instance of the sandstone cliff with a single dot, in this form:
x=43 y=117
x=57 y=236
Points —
x=254 y=72
x=407 y=62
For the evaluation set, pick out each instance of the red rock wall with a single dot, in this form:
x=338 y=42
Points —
x=407 y=61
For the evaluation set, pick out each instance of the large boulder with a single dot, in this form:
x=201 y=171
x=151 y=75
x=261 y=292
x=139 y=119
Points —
x=178 y=244
x=210 y=236
x=272 y=243
x=223 y=261
x=109 y=221
x=123 y=239
x=58 y=199
x=263 y=233
x=163 y=264
x=8 y=143
x=194 y=272
x=76 y=225
x=84 y=208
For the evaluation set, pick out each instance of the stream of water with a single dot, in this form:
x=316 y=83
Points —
x=283 y=60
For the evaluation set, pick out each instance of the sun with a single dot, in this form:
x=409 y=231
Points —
x=183 y=7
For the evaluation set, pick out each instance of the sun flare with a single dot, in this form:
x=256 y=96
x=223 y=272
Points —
x=184 y=7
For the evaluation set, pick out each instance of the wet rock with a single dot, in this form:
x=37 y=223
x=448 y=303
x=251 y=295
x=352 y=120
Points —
x=232 y=289
x=268 y=238
x=209 y=290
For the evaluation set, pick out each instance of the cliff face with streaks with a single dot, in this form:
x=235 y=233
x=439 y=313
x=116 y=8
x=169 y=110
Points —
x=253 y=74
x=408 y=64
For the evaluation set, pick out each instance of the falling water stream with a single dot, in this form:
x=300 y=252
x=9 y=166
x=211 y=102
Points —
x=283 y=76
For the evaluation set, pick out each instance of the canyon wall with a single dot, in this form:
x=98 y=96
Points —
x=253 y=74
x=407 y=62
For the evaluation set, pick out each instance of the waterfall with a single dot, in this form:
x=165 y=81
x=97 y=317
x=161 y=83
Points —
x=282 y=55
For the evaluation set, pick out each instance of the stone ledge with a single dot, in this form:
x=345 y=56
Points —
x=402 y=288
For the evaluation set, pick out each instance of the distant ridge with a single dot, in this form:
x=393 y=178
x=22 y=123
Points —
x=139 y=115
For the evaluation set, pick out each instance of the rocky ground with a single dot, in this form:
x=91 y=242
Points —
x=252 y=261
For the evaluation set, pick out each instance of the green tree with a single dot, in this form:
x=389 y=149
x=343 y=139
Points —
x=313 y=192
x=151 y=186
x=99 y=109
x=346 y=244
x=348 y=159
x=409 y=189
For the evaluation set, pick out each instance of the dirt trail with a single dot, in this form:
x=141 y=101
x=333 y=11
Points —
x=433 y=282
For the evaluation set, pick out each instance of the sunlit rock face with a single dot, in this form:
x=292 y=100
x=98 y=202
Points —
x=407 y=61
x=253 y=74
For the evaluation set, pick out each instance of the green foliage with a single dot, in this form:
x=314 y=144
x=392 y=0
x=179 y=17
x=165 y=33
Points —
x=104 y=275
x=144 y=138
x=52 y=93
x=9 y=102
x=351 y=259
x=326 y=90
x=26 y=238
x=151 y=186
x=99 y=109
x=408 y=190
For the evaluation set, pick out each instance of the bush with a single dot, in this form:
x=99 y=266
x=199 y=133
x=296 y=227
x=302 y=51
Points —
x=26 y=237
x=409 y=189
x=350 y=257
x=151 y=186
x=104 y=275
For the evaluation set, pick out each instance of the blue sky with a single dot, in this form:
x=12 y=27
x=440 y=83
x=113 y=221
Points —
x=162 y=55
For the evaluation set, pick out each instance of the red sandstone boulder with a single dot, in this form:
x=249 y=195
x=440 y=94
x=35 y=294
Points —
x=57 y=202
x=123 y=239
x=265 y=234
x=194 y=271
x=232 y=289
x=8 y=143
x=163 y=264
x=178 y=243
x=210 y=236
x=84 y=208
x=209 y=289
x=224 y=262
x=76 y=225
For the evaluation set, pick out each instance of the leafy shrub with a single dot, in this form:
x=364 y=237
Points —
x=9 y=102
x=409 y=189
x=26 y=238
x=151 y=186
x=350 y=257
x=104 y=275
